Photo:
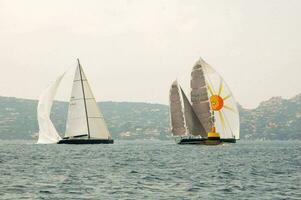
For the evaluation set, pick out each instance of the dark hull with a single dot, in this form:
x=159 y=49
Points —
x=85 y=141
x=229 y=140
x=204 y=141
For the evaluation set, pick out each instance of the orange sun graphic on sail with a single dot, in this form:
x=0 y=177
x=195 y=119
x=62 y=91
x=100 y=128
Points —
x=218 y=102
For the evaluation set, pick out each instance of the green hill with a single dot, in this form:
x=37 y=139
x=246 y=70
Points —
x=276 y=118
x=18 y=119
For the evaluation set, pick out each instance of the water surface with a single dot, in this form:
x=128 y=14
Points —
x=151 y=170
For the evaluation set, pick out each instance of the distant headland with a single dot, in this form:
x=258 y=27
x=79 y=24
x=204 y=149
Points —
x=274 y=119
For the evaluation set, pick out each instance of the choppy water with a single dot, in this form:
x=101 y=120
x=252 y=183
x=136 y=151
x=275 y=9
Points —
x=150 y=170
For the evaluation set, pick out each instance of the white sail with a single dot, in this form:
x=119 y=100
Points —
x=84 y=116
x=178 y=127
x=222 y=103
x=47 y=131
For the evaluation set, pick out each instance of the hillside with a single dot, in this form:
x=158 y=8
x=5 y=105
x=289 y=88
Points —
x=276 y=118
x=18 y=119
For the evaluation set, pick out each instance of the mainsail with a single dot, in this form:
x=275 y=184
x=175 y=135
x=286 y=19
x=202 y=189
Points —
x=84 y=116
x=47 y=131
x=178 y=126
x=199 y=96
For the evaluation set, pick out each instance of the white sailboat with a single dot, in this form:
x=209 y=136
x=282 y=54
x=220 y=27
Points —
x=85 y=122
x=213 y=104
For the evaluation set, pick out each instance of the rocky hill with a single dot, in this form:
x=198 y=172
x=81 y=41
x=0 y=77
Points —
x=276 y=118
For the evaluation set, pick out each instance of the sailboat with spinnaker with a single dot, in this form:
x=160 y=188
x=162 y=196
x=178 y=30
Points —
x=85 y=122
x=211 y=116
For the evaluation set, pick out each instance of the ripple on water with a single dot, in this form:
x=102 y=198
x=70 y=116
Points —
x=151 y=170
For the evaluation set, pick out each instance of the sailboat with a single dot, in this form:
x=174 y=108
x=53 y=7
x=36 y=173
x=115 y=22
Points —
x=211 y=116
x=85 y=122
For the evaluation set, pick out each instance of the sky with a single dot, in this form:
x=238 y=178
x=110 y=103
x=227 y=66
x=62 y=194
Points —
x=132 y=50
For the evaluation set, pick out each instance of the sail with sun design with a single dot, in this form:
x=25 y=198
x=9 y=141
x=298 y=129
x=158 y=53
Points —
x=212 y=103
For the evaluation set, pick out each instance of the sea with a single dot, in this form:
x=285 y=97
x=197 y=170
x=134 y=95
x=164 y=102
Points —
x=151 y=169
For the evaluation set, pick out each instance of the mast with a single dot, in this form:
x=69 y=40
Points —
x=84 y=97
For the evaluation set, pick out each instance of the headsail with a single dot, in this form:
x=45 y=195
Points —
x=84 y=116
x=193 y=124
x=47 y=131
x=200 y=98
x=222 y=102
x=178 y=127
x=184 y=121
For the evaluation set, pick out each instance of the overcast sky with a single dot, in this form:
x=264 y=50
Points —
x=132 y=50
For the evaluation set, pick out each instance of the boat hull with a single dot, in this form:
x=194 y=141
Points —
x=204 y=141
x=86 y=141
x=229 y=140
